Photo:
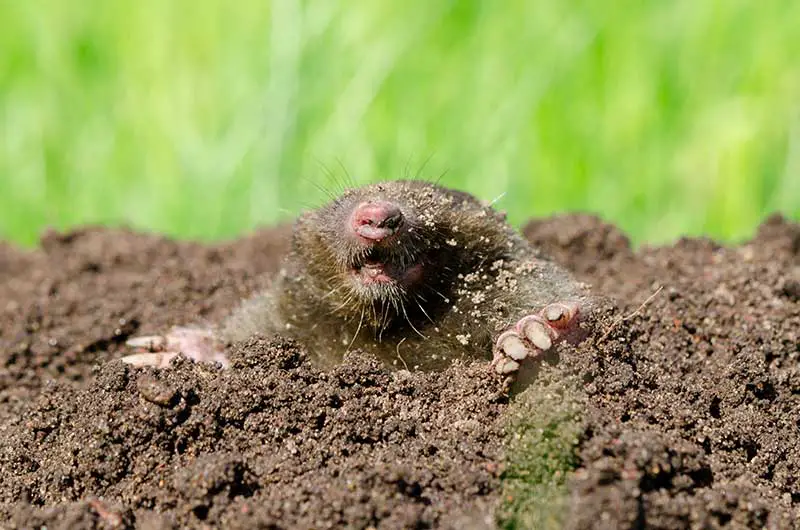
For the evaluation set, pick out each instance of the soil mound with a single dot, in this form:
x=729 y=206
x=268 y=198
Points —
x=688 y=417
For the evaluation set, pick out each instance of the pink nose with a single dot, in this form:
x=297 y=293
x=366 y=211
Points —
x=376 y=220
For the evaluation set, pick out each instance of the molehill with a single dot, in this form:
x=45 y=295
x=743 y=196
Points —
x=685 y=414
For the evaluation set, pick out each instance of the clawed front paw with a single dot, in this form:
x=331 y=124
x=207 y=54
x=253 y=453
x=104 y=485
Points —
x=533 y=335
x=198 y=344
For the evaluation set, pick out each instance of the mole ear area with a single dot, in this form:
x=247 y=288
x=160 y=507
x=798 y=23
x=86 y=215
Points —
x=469 y=203
x=460 y=198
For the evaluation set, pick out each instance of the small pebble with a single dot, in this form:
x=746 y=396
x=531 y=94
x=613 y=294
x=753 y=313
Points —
x=155 y=391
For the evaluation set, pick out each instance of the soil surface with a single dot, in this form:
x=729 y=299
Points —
x=689 y=416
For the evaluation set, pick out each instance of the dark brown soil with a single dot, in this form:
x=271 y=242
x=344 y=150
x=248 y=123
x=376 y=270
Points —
x=689 y=410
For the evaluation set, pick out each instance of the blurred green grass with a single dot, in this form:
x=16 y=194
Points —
x=205 y=118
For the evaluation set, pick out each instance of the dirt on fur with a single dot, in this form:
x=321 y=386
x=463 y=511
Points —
x=689 y=406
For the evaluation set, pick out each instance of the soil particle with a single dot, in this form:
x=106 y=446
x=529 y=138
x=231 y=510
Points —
x=689 y=407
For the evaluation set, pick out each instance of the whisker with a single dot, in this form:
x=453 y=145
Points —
x=384 y=317
x=375 y=320
x=496 y=199
x=331 y=194
x=347 y=300
x=322 y=189
x=333 y=179
x=422 y=168
x=348 y=179
x=425 y=312
x=406 y=173
x=332 y=291
x=446 y=299
x=405 y=314
x=358 y=330
x=397 y=349
x=441 y=176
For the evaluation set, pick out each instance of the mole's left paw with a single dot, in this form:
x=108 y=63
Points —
x=532 y=336
x=198 y=344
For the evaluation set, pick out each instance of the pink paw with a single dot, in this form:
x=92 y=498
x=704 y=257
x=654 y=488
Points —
x=533 y=335
x=198 y=344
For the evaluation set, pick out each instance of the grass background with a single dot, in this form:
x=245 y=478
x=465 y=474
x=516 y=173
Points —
x=205 y=118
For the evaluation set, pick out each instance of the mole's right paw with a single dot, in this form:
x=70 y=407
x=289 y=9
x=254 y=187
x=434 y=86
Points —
x=197 y=344
x=533 y=335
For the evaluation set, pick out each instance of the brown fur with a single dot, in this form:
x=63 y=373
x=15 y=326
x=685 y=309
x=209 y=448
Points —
x=477 y=276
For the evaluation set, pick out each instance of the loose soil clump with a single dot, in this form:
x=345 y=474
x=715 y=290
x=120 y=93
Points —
x=682 y=415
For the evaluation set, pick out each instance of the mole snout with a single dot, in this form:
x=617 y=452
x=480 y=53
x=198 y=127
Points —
x=376 y=220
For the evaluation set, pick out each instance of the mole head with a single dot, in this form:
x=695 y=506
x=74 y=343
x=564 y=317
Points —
x=377 y=245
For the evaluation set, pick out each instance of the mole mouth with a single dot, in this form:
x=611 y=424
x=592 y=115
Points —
x=378 y=268
x=370 y=258
x=374 y=267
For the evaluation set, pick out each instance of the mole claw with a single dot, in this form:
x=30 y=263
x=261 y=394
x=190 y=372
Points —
x=560 y=315
x=535 y=330
x=532 y=335
x=506 y=366
x=156 y=360
x=513 y=346
x=198 y=344
x=150 y=343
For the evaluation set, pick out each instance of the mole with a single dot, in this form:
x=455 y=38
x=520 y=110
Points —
x=412 y=272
